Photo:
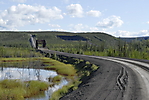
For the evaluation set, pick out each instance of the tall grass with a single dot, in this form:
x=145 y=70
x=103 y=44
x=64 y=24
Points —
x=83 y=70
x=66 y=70
x=18 y=90
x=7 y=52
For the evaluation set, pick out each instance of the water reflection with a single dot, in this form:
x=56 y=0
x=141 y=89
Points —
x=46 y=95
x=26 y=74
x=32 y=74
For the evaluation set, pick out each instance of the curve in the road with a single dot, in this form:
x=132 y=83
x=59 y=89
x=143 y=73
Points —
x=102 y=85
x=105 y=87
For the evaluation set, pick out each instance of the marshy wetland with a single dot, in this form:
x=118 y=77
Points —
x=39 y=77
x=26 y=78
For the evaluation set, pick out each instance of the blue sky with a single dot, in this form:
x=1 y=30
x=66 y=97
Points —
x=124 y=18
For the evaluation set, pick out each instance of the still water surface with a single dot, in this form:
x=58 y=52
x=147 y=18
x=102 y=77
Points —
x=32 y=74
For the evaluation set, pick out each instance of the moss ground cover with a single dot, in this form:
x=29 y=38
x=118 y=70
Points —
x=18 y=90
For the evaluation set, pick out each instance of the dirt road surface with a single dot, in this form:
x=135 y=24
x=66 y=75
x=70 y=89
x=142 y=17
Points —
x=114 y=80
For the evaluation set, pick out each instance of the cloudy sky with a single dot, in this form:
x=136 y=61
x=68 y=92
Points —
x=124 y=18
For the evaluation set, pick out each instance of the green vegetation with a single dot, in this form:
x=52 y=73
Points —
x=135 y=49
x=17 y=53
x=54 y=41
x=61 y=92
x=20 y=57
x=66 y=70
x=94 y=41
x=15 y=47
x=18 y=62
x=11 y=52
x=18 y=90
x=48 y=64
x=97 y=43
x=55 y=80
x=84 y=70
x=14 y=39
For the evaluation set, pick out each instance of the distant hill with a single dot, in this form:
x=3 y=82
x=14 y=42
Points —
x=67 y=38
x=72 y=38
x=14 y=39
x=136 y=38
x=58 y=38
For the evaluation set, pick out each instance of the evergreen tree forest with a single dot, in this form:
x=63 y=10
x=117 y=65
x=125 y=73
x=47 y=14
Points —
x=134 y=49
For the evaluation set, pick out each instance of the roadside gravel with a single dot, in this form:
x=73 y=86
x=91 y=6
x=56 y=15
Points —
x=102 y=84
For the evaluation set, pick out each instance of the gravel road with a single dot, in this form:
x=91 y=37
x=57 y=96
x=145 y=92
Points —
x=116 y=79
x=103 y=84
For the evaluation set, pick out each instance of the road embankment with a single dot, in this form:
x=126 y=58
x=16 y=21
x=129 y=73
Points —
x=114 y=80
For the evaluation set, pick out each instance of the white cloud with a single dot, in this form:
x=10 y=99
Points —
x=144 y=33
x=54 y=25
x=94 y=29
x=75 y=10
x=94 y=13
x=22 y=14
x=121 y=33
x=82 y=27
x=2 y=21
x=58 y=30
x=64 y=14
x=110 y=22
x=20 y=1
x=79 y=27
x=148 y=22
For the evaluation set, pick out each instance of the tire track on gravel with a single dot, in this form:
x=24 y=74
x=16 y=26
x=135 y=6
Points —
x=109 y=89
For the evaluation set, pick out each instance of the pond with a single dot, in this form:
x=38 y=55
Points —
x=25 y=74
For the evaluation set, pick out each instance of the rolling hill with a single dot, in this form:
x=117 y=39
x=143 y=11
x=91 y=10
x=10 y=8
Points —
x=12 y=38
x=135 y=38
x=68 y=38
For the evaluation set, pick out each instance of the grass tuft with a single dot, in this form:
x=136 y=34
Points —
x=18 y=90
x=55 y=80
